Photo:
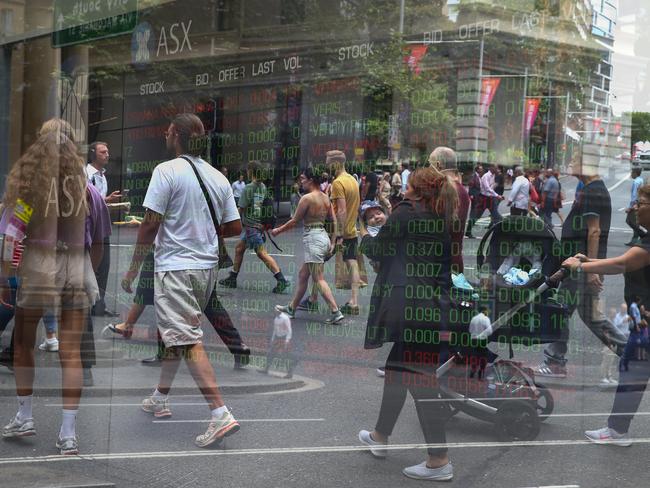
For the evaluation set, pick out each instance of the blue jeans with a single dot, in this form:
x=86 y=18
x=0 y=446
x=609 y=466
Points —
x=49 y=321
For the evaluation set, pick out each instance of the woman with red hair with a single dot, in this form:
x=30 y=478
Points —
x=413 y=250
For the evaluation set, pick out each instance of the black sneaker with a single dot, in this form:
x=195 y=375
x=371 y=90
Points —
x=243 y=358
x=230 y=282
x=281 y=286
x=348 y=309
x=308 y=305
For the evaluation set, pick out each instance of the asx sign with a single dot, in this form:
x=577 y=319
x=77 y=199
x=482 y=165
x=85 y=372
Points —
x=170 y=39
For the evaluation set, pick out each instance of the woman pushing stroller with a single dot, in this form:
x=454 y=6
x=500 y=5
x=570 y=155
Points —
x=632 y=382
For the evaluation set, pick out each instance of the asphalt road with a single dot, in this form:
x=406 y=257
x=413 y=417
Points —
x=309 y=437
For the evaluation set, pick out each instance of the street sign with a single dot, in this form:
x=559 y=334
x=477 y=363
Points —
x=79 y=21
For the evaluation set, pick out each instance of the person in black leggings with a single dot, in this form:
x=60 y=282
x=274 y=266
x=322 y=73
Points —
x=413 y=250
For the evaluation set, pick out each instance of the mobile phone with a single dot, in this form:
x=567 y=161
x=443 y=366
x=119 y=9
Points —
x=125 y=192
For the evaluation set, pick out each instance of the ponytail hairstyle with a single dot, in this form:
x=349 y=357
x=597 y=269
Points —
x=436 y=190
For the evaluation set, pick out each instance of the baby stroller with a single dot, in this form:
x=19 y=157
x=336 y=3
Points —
x=524 y=314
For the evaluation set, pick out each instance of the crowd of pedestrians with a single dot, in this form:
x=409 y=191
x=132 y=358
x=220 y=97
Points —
x=56 y=262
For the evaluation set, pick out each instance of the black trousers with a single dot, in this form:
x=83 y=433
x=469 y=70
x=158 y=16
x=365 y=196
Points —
x=403 y=374
x=518 y=211
x=102 y=278
x=631 y=221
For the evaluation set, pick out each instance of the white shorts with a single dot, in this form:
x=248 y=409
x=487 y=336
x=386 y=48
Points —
x=180 y=298
x=316 y=243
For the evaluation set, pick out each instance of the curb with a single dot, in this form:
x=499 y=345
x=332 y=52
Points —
x=103 y=392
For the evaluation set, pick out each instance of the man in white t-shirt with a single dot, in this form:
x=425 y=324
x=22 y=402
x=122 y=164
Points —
x=186 y=259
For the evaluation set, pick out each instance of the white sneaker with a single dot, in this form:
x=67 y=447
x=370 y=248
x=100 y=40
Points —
x=49 y=345
x=159 y=407
x=218 y=428
x=607 y=435
x=422 y=472
x=19 y=428
x=604 y=381
x=377 y=449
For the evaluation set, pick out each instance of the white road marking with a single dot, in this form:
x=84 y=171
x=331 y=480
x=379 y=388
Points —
x=238 y=420
x=556 y=486
x=292 y=450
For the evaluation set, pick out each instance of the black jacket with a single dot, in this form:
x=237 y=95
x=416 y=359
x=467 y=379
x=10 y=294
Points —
x=410 y=297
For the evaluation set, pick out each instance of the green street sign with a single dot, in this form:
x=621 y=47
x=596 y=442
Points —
x=79 y=21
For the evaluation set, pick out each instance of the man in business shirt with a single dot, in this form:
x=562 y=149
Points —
x=98 y=157
x=519 y=197
x=637 y=182
x=405 y=175
x=488 y=200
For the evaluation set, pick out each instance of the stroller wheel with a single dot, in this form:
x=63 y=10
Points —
x=517 y=420
x=545 y=402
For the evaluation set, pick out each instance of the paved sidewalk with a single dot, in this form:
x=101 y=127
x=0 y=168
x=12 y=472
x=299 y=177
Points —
x=119 y=372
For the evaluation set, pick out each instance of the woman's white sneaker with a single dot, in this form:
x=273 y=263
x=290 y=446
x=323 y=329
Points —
x=607 y=435
x=422 y=472
x=377 y=449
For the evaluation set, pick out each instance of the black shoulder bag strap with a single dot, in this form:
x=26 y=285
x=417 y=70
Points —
x=215 y=221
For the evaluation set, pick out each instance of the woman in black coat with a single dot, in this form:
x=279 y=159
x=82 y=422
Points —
x=410 y=308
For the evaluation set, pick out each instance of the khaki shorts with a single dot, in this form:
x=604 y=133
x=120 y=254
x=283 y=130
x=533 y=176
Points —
x=180 y=298
x=56 y=280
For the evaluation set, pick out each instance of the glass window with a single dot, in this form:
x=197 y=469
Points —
x=252 y=229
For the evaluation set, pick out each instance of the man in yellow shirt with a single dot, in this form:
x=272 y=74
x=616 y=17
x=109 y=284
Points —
x=345 y=200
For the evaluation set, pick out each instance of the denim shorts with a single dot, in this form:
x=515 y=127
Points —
x=253 y=237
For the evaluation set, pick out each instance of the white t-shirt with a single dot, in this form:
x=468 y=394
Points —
x=238 y=188
x=187 y=238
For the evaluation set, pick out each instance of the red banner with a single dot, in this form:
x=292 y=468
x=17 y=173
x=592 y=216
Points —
x=532 y=107
x=413 y=59
x=488 y=90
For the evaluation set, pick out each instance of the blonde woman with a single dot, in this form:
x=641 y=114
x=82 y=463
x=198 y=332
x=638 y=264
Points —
x=55 y=271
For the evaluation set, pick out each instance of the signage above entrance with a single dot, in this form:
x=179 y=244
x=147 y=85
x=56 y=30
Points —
x=79 y=21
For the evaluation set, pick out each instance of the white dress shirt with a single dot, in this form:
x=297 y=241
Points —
x=97 y=179
x=487 y=185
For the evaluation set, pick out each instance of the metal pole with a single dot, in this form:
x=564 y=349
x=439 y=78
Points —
x=566 y=126
x=401 y=17
x=523 y=115
x=548 y=126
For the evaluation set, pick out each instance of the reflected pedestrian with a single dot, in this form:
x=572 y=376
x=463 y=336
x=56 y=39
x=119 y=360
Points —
x=55 y=272
x=188 y=204
x=632 y=382
x=430 y=198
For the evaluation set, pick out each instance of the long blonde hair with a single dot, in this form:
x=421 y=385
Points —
x=52 y=162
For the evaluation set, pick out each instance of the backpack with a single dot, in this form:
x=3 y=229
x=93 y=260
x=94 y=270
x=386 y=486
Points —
x=268 y=216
